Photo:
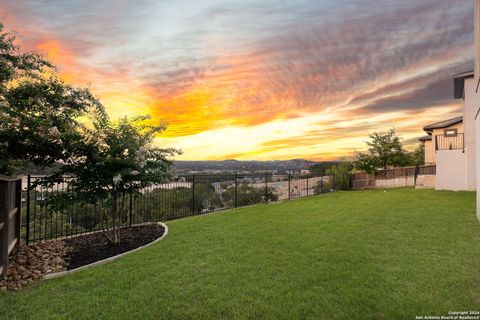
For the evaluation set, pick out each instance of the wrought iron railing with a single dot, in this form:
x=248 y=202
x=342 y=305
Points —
x=185 y=196
x=446 y=142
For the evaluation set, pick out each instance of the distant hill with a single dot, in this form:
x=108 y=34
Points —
x=280 y=166
x=225 y=166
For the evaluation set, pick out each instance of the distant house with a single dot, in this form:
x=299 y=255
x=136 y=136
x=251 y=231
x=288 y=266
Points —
x=299 y=172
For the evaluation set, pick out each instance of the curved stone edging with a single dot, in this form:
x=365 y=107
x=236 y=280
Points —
x=104 y=261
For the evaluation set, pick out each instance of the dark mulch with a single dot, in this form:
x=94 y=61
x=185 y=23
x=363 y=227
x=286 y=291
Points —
x=93 y=247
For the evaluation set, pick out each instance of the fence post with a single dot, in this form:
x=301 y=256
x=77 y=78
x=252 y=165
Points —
x=193 y=194
x=18 y=203
x=417 y=170
x=4 y=226
x=27 y=236
x=289 y=187
x=10 y=217
x=266 y=188
x=307 y=186
x=350 y=182
x=235 y=193
x=131 y=209
x=321 y=184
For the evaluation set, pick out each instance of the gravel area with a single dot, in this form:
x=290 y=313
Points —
x=32 y=262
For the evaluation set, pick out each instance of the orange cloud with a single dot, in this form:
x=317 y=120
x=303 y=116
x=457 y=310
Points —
x=236 y=95
x=60 y=55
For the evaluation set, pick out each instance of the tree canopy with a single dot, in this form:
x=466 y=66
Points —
x=112 y=160
x=384 y=150
x=38 y=111
x=40 y=125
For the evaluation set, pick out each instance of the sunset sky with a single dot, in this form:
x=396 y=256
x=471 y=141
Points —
x=259 y=79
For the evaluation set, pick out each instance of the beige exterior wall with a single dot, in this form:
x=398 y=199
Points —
x=470 y=106
x=429 y=152
x=451 y=170
x=476 y=97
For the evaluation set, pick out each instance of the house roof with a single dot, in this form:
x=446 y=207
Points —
x=459 y=83
x=425 y=138
x=443 y=124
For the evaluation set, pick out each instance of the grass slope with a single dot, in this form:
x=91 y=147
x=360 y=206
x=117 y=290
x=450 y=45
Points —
x=355 y=255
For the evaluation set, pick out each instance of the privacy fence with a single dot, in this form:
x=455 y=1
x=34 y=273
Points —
x=185 y=196
x=394 y=178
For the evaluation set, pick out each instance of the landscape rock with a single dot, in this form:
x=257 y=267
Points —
x=31 y=263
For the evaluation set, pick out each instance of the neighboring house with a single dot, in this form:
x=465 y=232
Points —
x=443 y=135
x=446 y=148
x=451 y=144
x=457 y=168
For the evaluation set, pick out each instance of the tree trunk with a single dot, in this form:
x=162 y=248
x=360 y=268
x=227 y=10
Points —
x=111 y=229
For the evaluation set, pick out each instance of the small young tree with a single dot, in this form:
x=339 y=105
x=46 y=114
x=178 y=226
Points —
x=38 y=112
x=113 y=160
x=385 y=149
x=419 y=154
x=366 y=162
x=341 y=175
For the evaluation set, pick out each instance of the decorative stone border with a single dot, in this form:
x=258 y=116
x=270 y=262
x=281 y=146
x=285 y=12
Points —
x=107 y=260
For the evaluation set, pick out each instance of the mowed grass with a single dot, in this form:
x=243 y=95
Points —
x=346 y=255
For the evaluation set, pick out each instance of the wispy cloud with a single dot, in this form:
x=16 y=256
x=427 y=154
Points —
x=217 y=70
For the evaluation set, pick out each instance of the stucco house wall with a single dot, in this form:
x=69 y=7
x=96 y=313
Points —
x=451 y=170
x=470 y=106
x=476 y=98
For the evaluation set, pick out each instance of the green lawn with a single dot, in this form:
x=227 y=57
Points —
x=345 y=255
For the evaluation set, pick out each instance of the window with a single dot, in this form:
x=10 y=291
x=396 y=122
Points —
x=450 y=132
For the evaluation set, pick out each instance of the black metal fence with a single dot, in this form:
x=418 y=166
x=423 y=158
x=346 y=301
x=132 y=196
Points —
x=185 y=196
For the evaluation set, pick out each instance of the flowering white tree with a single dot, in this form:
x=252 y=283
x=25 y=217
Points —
x=38 y=112
x=113 y=160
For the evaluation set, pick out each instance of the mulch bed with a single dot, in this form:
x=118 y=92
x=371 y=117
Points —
x=95 y=247
x=31 y=263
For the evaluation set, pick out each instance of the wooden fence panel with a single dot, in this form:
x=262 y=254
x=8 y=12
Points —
x=362 y=180
x=10 y=217
x=427 y=170
x=390 y=178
